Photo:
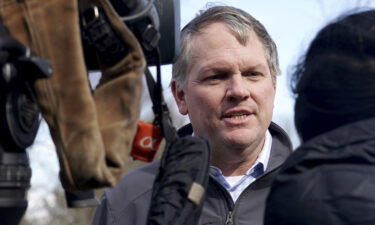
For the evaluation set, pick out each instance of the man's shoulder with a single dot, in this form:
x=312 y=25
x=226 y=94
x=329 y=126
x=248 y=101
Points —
x=133 y=185
x=141 y=174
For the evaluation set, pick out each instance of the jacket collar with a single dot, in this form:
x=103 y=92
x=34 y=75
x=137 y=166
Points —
x=356 y=132
x=281 y=146
x=346 y=144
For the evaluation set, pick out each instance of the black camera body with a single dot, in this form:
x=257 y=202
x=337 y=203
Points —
x=160 y=27
x=155 y=23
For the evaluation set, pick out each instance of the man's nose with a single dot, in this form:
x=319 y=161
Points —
x=237 y=88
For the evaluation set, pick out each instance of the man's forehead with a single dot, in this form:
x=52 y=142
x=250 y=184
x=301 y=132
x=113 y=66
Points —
x=219 y=35
x=223 y=49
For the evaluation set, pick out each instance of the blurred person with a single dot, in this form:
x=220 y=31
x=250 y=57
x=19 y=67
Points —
x=330 y=178
x=225 y=81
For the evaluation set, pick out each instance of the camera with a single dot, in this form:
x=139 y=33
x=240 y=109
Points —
x=156 y=25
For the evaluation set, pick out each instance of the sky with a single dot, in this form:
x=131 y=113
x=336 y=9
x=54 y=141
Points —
x=291 y=23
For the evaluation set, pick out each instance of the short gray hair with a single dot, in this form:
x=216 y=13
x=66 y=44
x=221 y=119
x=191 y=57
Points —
x=239 y=22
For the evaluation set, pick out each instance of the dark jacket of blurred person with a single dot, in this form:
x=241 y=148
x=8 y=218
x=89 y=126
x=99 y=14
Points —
x=330 y=178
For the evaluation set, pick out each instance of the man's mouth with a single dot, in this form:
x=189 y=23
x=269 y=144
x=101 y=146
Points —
x=236 y=115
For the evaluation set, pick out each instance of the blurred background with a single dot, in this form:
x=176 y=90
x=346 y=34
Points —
x=291 y=23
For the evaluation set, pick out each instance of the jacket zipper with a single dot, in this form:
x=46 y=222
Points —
x=229 y=202
x=229 y=220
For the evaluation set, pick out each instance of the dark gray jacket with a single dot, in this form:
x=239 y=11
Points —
x=128 y=202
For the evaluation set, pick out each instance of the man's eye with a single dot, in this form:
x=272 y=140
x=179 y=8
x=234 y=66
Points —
x=214 y=77
x=217 y=77
x=252 y=74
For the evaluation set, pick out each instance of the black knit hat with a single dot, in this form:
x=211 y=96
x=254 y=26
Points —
x=335 y=82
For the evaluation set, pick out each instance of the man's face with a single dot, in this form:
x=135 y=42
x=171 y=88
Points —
x=229 y=92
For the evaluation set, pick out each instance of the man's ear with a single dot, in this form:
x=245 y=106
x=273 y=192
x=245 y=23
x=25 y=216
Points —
x=179 y=96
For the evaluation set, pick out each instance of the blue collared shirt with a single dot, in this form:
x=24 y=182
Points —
x=235 y=185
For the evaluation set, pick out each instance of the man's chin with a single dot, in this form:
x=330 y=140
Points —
x=240 y=140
